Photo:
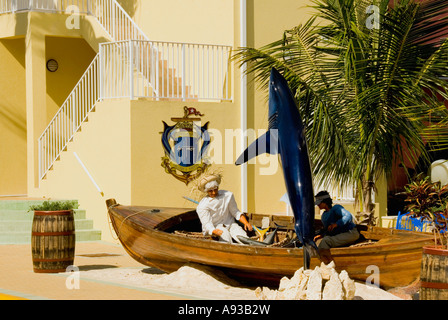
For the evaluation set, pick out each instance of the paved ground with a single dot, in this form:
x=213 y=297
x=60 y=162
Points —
x=18 y=281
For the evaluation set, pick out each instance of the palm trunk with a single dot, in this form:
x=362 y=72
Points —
x=368 y=205
x=364 y=201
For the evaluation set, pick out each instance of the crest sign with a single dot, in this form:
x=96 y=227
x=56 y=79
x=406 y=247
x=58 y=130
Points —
x=185 y=144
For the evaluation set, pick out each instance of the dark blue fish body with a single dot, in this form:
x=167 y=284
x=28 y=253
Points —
x=286 y=136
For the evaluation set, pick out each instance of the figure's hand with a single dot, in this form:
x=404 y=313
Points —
x=319 y=236
x=217 y=232
x=332 y=226
x=247 y=225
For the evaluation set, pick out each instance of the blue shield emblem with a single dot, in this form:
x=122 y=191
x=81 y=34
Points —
x=185 y=145
x=186 y=151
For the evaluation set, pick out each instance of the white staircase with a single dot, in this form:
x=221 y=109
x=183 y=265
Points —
x=130 y=66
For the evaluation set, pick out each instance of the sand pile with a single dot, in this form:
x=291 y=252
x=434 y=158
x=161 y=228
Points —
x=192 y=280
x=322 y=283
x=202 y=282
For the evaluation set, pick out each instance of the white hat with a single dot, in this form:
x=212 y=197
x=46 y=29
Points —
x=209 y=182
x=211 y=185
x=321 y=198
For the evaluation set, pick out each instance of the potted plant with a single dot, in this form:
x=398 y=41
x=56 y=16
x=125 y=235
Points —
x=428 y=202
x=56 y=205
x=53 y=236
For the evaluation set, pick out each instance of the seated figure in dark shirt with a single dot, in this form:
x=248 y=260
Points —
x=339 y=228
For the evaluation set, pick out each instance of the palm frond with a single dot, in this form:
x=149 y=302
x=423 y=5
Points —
x=369 y=97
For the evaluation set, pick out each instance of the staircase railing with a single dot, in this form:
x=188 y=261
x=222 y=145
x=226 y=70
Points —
x=69 y=118
x=67 y=121
x=116 y=21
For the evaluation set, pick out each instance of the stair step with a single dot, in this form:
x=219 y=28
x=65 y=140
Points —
x=22 y=214
x=25 y=225
x=20 y=237
x=22 y=204
x=16 y=222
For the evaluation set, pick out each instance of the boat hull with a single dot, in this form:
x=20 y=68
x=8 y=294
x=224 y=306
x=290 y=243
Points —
x=396 y=256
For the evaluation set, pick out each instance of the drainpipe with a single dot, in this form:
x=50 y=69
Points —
x=243 y=106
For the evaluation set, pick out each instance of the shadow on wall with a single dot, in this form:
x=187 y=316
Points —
x=130 y=6
x=12 y=110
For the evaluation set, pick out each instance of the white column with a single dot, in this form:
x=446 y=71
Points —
x=243 y=107
x=36 y=105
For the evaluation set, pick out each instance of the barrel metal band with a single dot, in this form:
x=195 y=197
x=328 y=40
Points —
x=62 y=233
x=435 y=251
x=52 y=260
x=52 y=213
x=434 y=285
x=49 y=270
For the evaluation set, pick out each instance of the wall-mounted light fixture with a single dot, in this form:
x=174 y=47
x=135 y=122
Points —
x=52 y=65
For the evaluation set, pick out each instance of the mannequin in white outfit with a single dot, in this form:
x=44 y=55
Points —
x=218 y=212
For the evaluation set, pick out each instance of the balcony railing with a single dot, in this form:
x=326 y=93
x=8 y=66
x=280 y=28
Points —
x=338 y=194
x=137 y=69
x=13 y=6
x=165 y=70
x=109 y=13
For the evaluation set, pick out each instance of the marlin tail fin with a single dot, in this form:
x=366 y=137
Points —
x=309 y=250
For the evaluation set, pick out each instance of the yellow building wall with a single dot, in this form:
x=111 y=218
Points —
x=265 y=191
x=73 y=55
x=13 y=157
x=13 y=25
x=267 y=19
x=44 y=36
x=266 y=22
x=120 y=144
x=121 y=148
x=151 y=185
x=103 y=147
x=196 y=21
x=199 y=21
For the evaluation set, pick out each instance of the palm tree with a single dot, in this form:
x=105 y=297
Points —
x=369 y=95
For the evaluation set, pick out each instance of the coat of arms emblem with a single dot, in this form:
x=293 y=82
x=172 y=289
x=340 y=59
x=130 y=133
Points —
x=185 y=145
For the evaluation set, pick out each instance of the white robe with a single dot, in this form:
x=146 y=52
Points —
x=220 y=213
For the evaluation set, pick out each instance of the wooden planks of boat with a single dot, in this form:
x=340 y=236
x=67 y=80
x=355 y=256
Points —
x=149 y=236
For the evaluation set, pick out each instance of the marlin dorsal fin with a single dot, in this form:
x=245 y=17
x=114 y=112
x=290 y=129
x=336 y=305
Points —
x=267 y=143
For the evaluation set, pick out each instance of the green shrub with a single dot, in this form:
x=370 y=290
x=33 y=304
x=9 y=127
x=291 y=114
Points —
x=54 y=206
x=429 y=201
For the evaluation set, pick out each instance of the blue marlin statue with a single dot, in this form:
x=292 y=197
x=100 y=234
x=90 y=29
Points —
x=286 y=136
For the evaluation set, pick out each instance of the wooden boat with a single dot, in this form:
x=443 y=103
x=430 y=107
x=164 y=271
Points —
x=152 y=237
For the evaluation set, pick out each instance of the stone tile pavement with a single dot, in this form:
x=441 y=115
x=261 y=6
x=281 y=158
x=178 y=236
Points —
x=18 y=281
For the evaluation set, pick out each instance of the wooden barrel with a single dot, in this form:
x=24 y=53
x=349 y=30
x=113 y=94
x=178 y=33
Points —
x=53 y=241
x=434 y=274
